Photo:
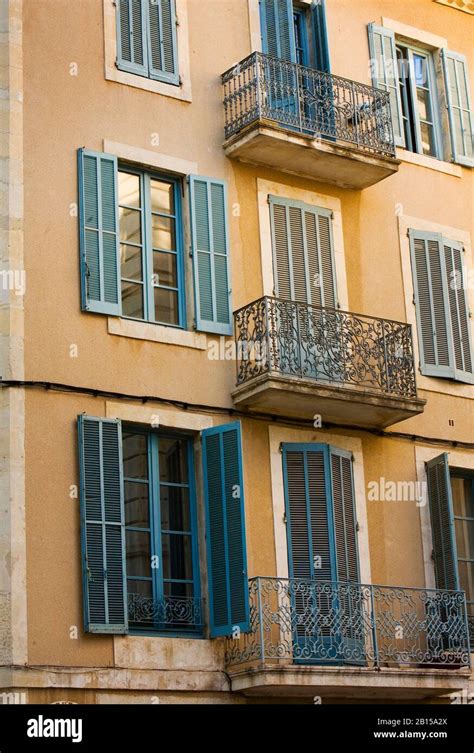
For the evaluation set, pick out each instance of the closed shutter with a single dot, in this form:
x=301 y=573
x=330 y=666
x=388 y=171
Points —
x=102 y=525
x=162 y=43
x=442 y=522
x=98 y=232
x=276 y=20
x=303 y=255
x=383 y=60
x=131 y=36
x=225 y=529
x=458 y=98
x=210 y=249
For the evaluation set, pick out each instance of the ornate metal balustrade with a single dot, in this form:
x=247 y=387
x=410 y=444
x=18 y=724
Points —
x=309 y=622
x=287 y=338
x=308 y=101
x=171 y=613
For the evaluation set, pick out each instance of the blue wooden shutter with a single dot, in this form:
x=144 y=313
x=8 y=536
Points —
x=131 y=36
x=162 y=43
x=320 y=37
x=210 y=249
x=276 y=21
x=225 y=529
x=458 y=98
x=343 y=507
x=463 y=358
x=102 y=525
x=98 y=232
x=384 y=67
x=442 y=522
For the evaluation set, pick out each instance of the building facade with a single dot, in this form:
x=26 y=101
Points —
x=237 y=355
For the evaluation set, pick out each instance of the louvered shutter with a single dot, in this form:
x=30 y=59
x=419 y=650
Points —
x=225 y=529
x=276 y=20
x=162 y=43
x=458 y=98
x=383 y=58
x=98 y=232
x=102 y=525
x=210 y=249
x=343 y=503
x=442 y=522
x=132 y=35
x=458 y=307
x=320 y=37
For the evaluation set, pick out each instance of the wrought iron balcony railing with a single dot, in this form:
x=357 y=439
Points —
x=307 y=101
x=288 y=338
x=310 y=622
x=170 y=613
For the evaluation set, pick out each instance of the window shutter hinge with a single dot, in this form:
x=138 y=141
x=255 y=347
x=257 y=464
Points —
x=432 y=555
x=194 y=324
x=280 y=447
x=180 y=80
x=176 y=20
x=357 y=526
x=413 y=301
x=284 y=518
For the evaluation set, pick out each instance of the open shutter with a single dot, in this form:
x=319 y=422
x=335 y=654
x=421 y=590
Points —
x=131 y=36
x=442 y=522
x=102 y=525
x=225 y=529
x=383 y=57
x=162 y=44
x=98 y=232
x=458 y=307
x=276 y=20
x=343 y=505
x=320 y=37
x=458 y=98
x=210 y=249
x=431 y=300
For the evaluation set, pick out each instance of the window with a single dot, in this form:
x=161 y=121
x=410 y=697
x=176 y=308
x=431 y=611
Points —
x=292 y=31
x=451 y=498
x=131 y=244
x=444 y=325
x=418 y=98
x=151 y=252
x=139 y=529
x=146 y=39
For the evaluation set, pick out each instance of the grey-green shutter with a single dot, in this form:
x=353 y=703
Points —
x=210 y=250
x=98 y=232
x=162 y=42
x=383 y=59
x=102 y=525
x=459 y=312
x=225 y=529
x=131 y=36
x=276 y=21
x=458 y=99
x=442 y=522
x=343 y=506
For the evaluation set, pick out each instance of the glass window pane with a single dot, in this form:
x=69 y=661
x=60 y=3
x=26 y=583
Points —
x=165 y=269
x=163 y=233
x=178 y=589
x=131 y=262
x=162 y=199
x=464 y=530
x=466 y=579
x=129 y=222
x=177 y=556
x=462 y=490
x=132 y=300
x=424 y=105
x=174 y=505
x=420 y=70
x=166 y=306
x=136 y=505
x=137 y=545
x=129 y=189
x=139 y=587
x=135 y=457
x=173 y=460
x=427 y=138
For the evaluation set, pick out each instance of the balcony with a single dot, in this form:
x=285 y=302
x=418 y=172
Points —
x=168 y=614
x=302 y=121
x=350 y=640
x=299 y=360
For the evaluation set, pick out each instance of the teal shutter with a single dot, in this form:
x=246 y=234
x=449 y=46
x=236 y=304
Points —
x=225 y=529
x=343 y=504
x=131 y=36
x=102 y=525
x=98 y=232
x=383 y=59
x=162 y=43
x=276 y=21
x=320 y=37
x=442 y=523
x=210 y=249
x=458 y=98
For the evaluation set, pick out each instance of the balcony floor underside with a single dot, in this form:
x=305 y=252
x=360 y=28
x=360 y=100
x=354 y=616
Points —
x=265 y=143
x=304 y=398
x=348 y=682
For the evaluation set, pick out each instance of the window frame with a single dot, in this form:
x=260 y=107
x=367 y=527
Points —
x=156 y=533
x=463 y=473
x=145 y=176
